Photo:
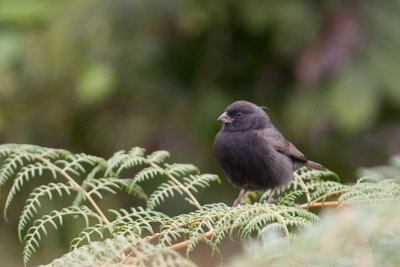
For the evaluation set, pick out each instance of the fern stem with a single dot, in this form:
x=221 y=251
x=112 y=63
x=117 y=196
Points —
x=281 y=219
x=185 y=243
x=75 y=184
x=178 y=183
x=324 y=196
x=304 y=186
x=320 y=204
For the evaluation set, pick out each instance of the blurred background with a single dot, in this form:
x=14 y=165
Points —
x=105 y=75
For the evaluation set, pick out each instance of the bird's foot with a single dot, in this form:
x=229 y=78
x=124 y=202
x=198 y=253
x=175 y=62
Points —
x=239 y=198
x=270 y=197
x=269 y=200
x=236 y=202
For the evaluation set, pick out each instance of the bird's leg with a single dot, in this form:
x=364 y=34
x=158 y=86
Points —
x=237 y=200
x=270 y=199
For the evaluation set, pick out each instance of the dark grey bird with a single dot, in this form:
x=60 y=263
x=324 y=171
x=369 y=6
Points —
x=254 y=155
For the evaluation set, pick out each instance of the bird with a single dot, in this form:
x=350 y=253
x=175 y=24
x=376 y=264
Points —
x=254 y=155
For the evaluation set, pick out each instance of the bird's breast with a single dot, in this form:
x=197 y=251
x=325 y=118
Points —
x=249 y=161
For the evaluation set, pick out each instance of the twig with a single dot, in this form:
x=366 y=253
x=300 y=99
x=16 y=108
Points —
x=74 y=183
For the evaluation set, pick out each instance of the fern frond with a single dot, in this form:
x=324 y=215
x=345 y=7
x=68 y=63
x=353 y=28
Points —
x=150 y=232
x=174 y=228
x=164 y=190
x=219 y=227
x=370 y=192
x=110 y=185
x=158 y=157
x=17 y=156
x=147 y=174
x=123 y=160
x=306 y=174
x=134 y=189
x=6 y=150
x=181 y=169
x=360 y=235
x=80 y=196
x=33 y=202
x=306 y=182
x=122 y=251
x=53 y=154
x=26 y=173
x=200 y=181
x=222 y=220
x=89 y=233
x=132 y=222
x=260 y=215
x=137 y=214
x=326 y=189
x=34 y=234
x=174 y=172
x=288 y=198
x=12 y=163
x=74 y=163
x=197 y=234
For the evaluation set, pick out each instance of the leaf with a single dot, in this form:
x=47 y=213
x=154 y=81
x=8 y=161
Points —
x=35 y=233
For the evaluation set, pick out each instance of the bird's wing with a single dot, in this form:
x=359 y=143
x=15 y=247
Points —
x=280 y=144
x=289 y=149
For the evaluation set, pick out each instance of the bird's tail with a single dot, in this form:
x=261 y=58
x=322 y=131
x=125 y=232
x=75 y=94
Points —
x=315 y=166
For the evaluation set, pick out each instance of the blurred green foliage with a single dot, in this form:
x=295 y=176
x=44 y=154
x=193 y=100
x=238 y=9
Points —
x=99 y=76
x=340 y=238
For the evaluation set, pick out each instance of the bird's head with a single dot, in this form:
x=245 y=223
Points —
x=242 y=115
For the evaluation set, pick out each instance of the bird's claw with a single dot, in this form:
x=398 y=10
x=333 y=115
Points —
x=236 y=202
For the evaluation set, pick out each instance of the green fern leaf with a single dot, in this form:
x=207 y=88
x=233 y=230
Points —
x=11 y=164
x=158 y=157
x=137 y=214
x=193 y=182
x=122 y=251
x=74 y=163
x=80 y=196
x=34 y=234
x=371 y=192
x=164 y=190
x=33 y=202
x=91 y=232
x=181 y=169
x=132 y=222
x=123 y=160
x=27 y=173
x=110 y=185
x=147 y=174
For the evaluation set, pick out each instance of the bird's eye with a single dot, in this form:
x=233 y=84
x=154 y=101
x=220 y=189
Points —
x=239 y=115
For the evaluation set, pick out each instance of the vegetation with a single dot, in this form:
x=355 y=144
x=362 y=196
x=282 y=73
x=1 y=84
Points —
x=99 y=76
x=143 y=236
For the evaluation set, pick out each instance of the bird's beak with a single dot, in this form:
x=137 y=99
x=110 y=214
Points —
x=225 y=118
